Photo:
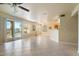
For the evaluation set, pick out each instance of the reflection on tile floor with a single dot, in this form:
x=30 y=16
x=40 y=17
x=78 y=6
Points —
x=37 y=46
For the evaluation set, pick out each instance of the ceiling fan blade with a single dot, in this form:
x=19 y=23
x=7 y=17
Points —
x=24 y=8
x=3 y=3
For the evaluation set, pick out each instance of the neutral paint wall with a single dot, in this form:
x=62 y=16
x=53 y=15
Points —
x=1 y=30
x=68 y=31
x=78 y=31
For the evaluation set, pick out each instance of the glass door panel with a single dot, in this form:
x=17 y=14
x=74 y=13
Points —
x=17 y=29
x=9 y=29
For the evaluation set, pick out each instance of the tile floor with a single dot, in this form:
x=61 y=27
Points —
x=37 y=46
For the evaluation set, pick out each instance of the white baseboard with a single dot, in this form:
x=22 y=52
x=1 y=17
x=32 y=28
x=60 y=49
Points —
x=71 y=43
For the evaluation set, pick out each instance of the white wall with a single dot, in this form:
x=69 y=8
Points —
x=54 y=35
x=69 y=29
x=74 y=12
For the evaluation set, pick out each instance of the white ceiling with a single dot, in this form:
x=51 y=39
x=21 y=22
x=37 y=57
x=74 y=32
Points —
x=38 y=9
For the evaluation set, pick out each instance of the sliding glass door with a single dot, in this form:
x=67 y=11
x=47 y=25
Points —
x=13 y=30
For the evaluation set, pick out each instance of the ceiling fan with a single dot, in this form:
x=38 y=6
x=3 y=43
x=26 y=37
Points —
x=17 y=5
